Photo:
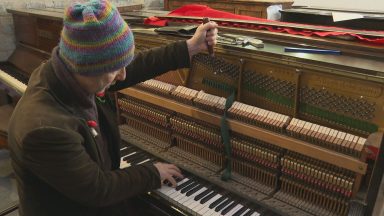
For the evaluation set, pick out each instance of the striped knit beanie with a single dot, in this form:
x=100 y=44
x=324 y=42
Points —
x=95 y=39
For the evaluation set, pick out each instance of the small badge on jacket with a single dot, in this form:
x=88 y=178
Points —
x=92 y=124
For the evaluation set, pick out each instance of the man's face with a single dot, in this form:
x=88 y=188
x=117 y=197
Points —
x=96 y=84
x=104 y=81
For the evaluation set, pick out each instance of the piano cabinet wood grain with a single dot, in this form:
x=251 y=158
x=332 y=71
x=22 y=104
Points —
x=37 y=32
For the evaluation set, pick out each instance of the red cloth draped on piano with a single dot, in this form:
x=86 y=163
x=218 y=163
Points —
x=195 y=10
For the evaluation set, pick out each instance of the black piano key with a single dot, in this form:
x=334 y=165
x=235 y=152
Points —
x=202 y=194
x=229 y=208
x=208 y=197
x=189 y=187
x=240 y=211
x=146 y=156
x=194 y=190
x=126 y=150
x=152 y=160
x=128 y=153
x=138 y=159
x=138 y=162
x=268 y=213
x=129 y=150
x=223 y=205
x=133 y=158
x=185 y=184
x=166 y=182
x=217 y=202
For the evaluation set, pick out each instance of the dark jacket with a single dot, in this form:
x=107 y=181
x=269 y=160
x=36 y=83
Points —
x=57 y=162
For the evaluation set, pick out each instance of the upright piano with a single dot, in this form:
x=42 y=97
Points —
x=257 y=131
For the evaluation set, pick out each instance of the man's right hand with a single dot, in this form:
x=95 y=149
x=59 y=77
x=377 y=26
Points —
x=168 y=172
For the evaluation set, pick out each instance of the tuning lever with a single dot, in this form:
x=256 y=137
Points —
x=210 y=47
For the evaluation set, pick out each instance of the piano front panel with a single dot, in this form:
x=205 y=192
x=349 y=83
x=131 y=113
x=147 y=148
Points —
x=25 y=29
x=48 y=33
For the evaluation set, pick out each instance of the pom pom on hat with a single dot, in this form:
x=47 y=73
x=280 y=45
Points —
x=95 y=39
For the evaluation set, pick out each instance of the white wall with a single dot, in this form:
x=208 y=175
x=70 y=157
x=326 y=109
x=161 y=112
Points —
x=373 y=5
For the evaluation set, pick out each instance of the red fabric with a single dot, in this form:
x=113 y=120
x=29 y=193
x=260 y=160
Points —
x=92 y=123
x=195 y=10
x=372 y=152
x=100 y=94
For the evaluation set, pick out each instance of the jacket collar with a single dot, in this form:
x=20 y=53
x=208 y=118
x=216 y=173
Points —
x=66 y=89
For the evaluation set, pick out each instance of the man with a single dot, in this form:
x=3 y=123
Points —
x=64 y=145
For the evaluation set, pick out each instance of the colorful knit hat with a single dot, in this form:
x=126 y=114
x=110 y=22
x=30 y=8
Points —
x=95 y=39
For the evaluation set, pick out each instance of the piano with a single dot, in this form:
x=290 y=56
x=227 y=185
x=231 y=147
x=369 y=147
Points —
x=257 y=131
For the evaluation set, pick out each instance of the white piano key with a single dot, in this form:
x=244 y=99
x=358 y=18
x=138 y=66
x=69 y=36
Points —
x=245 y=212
x=201 y=206
x=124 y=164
x=206 y=209
x=174 y=189
x=164 y=189
x=191 y=199
x=234 y=210
x=219 y=212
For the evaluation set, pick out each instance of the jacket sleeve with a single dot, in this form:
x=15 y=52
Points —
x=154 y=62
x=61 y=161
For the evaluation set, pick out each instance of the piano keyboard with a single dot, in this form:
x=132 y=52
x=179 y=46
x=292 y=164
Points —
x=193 y=195
x=13 y=83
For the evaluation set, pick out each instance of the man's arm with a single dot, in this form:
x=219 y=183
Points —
x=58 y=157
x=157 y=61
x=154 y=62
